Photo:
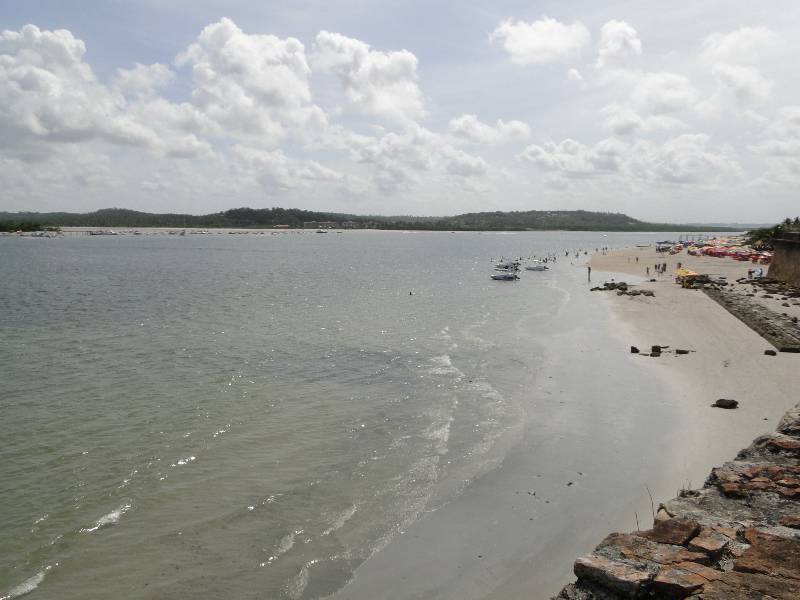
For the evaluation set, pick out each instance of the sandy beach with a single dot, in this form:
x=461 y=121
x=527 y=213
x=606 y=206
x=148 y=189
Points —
x=650 y=416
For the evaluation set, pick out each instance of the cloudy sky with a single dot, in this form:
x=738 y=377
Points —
x=671 y=111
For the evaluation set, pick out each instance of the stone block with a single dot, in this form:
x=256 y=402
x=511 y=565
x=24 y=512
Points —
x=770 y=555
x=709 y=541
x=683 y=579
x=634 y=547
x=749 y=586
x=623 y=578
x=674 y=531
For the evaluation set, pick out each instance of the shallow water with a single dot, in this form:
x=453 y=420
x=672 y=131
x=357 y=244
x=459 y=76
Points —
x=253 y=416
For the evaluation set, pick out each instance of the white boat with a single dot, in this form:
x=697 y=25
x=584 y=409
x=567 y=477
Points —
x=505 y=276
x=536 y=268
x=507 y=265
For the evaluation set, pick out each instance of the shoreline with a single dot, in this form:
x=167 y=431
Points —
x=736 y=537
x=650 y=416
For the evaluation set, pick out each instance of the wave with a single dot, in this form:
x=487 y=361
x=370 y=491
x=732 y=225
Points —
x=339 y=521
x=444 y=366
x=183 y=461
x=27 y=586
x=297 y=584
x=286 y=544
x=108 y=519
x=439 y=434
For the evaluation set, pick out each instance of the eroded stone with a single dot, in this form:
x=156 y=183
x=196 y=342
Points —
x=770 y=555
x=709 y=541
x=620 y=577
x=673 y=531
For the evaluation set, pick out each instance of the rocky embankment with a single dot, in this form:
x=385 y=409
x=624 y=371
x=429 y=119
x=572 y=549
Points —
x=737 y=538
x=778 y=328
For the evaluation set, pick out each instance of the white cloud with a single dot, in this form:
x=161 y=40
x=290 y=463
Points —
x=574 y=159
x=746 y=45
x=273 y=170
x=664 y=93
x=746 y=85
x=619 y=43
x=458 y=162
x=543 y=41
x=403 y=161
x=47 y=91
x=252 y=84
x=471 y=129
x=142 y=80
x=621 y=120
x=685 y=159
x=50 y=98
x=575 y=75
x=379 y=83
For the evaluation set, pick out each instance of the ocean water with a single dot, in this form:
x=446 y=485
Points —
x=254 y=416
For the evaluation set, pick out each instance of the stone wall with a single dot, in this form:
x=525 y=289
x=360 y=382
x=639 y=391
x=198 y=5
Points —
x=786 y=262
x=737 y=538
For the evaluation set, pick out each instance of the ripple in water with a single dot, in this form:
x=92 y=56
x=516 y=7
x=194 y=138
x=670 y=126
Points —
x=27 y=586
x=111 y=518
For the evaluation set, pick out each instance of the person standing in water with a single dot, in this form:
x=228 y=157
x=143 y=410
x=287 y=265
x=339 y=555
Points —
x=589 y=271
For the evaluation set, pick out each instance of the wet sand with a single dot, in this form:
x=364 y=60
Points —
x=605 y=429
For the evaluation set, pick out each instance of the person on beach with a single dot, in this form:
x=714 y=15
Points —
x=589 y=270
x=648 y=271
x=749 y=273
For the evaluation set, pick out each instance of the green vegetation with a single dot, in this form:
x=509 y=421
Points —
x=577 y=220
x=11 y=226
x=762 y=238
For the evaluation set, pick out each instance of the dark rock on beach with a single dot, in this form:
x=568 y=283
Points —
x=725 y=403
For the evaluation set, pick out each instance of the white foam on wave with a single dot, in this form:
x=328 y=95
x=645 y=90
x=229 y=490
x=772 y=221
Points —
x=184 y=461
x=222 y=431
x=27 y=586
x=439 y=433
x=286 y=544
x=340 y=520
x=297 y=584
x=111 y=518
x=443 y=365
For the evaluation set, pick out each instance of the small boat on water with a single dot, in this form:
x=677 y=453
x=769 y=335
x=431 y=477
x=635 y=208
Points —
x=507 y=265
x=505 y=276
x=537 y=268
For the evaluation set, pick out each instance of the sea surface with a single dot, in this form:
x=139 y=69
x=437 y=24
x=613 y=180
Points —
x=254 y=416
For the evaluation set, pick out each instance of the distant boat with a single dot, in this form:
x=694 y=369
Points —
x=536 y=268
x=507 y=265
x=321 y=231
x=505 y=276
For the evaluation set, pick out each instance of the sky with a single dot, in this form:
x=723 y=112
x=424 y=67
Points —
x=667 y=111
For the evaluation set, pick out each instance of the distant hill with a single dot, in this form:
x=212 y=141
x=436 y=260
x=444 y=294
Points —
x=572 y=220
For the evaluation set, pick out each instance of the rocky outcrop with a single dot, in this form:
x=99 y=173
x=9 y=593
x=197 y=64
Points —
x=778 y=329
x=622 y=289
x=737 y=538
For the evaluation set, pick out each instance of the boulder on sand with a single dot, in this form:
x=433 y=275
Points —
x=725 y=403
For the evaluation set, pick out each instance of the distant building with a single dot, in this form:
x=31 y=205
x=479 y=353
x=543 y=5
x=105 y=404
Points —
x=349 y=224
x=320 y=225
